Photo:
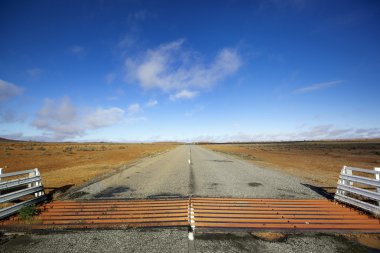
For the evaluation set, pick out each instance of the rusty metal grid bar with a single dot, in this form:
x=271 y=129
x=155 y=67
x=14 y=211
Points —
x=109 y=214
x=271 y=214
x=201 y=214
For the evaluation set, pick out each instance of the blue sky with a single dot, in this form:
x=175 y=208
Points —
x=189 y=71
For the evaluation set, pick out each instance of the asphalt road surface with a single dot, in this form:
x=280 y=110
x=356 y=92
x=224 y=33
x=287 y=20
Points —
x=208 y=174
x=188 y=170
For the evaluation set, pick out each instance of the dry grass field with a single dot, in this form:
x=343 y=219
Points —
x=319 y=162
x=68 y=164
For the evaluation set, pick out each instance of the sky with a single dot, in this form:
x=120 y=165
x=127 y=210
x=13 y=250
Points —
x=220 y=71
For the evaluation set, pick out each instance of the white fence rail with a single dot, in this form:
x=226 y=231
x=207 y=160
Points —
x=360 y=188
x=19 y=185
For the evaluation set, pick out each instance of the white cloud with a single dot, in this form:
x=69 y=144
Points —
x=9 y=90
x=319 y=132
x=60 y=119
x=151 y=103
x=184 y=94
x=103 y=117
x=172 y=69
x=318 y=86
x=134 y=108
x=368 y=132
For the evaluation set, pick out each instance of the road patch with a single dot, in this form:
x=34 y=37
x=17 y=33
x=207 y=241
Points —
x=254 y=184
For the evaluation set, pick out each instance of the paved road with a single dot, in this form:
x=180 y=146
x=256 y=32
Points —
x=208 y=174
x=219 y=175
x=170 y=174
x=160 y=176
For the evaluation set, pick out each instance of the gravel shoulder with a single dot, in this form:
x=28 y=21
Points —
x=175 y=240
x=298 y=243
x=133 y=240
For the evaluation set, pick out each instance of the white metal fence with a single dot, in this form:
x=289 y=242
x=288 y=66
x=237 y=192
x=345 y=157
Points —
x=17 y=188
x=360 y=188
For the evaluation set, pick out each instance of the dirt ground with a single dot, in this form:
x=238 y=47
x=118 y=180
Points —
x=63 y=165
x=318 y=162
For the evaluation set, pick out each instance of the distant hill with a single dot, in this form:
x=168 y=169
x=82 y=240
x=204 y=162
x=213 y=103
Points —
x=7 y=140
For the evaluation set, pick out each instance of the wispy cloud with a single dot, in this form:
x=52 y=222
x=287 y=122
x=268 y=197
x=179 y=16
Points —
x=134 y=21
x=132 y=120
x=103 y=117
x=77 y=50
x=110 y=77
x=151 y=103
x=134 y=108
x=319 y=132
x=34 y=72
x=112 y=98
x=318 y=86
x=137 y=16
x=128 y=41
x=196 y=110
x=9 y=90
x=61 y=120
x=183 y=94
x=173 y=69
x=116 y=95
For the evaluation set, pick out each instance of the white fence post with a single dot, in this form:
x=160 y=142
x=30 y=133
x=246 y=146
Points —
x=340 y=181
x=39 y=183
x=30 y=175
x=377 y=177
x=28 y=183
x=349 y=173
x=352 y=194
